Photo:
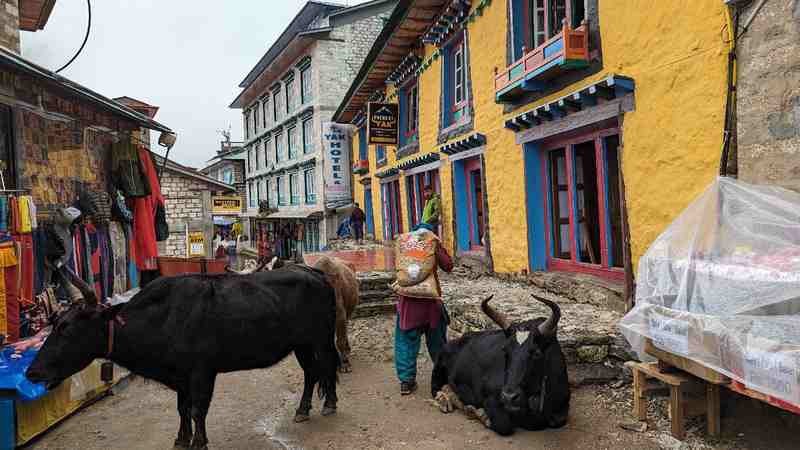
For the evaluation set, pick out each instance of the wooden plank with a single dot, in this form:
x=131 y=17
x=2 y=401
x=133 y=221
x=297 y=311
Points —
x=685 y=364
x=651 y=370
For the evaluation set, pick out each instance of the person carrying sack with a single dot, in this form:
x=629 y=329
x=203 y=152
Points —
x=420 y=309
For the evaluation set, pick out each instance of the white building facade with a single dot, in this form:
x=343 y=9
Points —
x=285 y=99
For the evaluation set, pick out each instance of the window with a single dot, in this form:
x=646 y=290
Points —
x=7 y=160
x=305 y=85
x=308 y=136
x=415 y=185
x=266 y=111
x=454 y=80
x=266 y=196
x=311 y=236
x=281 y=192
x=258 y=156
x=247 y=124
x=292 y=142
x=279 y=147
x=251 y=195
x=227 y=175
x=543 y=19
x=262 y=193
x=294 y=188
x=380 y=154
x=311 y=196
x=256 y=109
x=409 y=113
x=584 y=202
x=289 y=89
x=267 y=159
x=250 y=159
x=277 y=107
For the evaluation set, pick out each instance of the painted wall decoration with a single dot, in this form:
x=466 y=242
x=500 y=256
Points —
x=336 y=163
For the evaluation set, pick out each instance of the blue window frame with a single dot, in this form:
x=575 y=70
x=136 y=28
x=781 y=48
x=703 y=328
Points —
x=362 y=143
x=380 y=153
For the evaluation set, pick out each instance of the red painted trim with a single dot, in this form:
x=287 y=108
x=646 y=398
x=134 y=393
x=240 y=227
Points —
x=616 y=274
x=570 y=157
x=601 y=199
x=548 y=233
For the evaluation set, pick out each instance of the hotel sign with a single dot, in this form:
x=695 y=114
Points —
x=336 y=162
x=226 y=205
x=382 y=123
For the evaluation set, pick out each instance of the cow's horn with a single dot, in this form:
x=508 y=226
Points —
x=89 y=295
x=493 y=314
x=549 y=326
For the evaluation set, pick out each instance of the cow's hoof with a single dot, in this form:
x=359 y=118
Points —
x=328 y=410
x=300 y=418
x=443 y=402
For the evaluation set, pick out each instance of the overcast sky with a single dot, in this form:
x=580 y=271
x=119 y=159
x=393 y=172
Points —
x=186 y=56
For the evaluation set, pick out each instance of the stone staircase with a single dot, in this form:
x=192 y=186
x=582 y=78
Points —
x=375 y=296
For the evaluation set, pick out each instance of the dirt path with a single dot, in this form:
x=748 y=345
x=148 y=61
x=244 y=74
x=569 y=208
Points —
x=254 y=410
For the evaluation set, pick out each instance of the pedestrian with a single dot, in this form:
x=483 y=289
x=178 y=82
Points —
x=357 y=218
x=299 y=237
x=420 y=309
x=432 y=211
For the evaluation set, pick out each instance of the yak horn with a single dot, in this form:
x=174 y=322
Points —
x=493 y=314
x=88 y=294
x=549 y=326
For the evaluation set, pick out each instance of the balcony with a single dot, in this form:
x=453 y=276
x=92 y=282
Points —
x=568 y=50
x=361 y=167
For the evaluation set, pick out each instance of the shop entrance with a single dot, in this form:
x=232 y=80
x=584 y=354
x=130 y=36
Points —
x=390 y=199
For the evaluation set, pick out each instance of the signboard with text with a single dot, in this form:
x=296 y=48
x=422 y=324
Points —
x=197 y=244
x=382 y=123
x=336 y=162
x=226 y=205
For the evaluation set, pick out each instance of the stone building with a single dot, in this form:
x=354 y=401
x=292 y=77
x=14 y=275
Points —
x=768 y=92
x=187 y=195
x=228 y=166
x=293 y=89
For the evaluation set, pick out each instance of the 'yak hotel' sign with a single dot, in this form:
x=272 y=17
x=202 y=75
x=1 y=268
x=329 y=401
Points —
x=382 y=123
x=336 y=154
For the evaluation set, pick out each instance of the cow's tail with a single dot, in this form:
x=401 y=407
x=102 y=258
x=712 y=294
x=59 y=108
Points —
x=328 y=357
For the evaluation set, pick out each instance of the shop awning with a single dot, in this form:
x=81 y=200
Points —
x=224 y=221
x=294 y=214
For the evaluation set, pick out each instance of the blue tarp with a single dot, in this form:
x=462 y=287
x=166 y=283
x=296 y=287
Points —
x=12 y=375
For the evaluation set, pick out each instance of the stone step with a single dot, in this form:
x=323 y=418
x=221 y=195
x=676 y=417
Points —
x=375 y=308
x=374 y=296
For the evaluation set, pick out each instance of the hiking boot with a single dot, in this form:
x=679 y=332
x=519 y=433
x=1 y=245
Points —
x=408 y=387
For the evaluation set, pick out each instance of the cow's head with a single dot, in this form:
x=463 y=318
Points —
x=524 y=349
x=78 y=336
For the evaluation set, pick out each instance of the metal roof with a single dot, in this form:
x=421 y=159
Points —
x=17 y=62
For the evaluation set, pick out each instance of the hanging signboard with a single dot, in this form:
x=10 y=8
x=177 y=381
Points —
x=336 y=164
x=197 y=244
x=221 y=206
x=382 y=123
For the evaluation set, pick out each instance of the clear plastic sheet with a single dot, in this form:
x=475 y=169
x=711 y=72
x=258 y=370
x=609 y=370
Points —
x=721 y=286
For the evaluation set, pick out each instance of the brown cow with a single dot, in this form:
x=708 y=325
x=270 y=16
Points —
x=342 y=277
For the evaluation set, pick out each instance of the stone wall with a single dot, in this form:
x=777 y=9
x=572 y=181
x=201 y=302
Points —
x=768 y=104
x=185 y=199
x=9 y=25
x=239 y=183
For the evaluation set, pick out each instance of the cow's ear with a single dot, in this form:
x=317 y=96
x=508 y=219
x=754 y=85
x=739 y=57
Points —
x=508 y=332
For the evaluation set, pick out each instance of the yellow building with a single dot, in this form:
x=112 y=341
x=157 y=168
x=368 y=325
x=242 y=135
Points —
x=526 y=115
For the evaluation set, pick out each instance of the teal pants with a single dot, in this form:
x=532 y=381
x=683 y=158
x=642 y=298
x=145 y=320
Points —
x=406 y=347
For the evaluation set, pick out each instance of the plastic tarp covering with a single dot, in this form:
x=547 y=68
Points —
x=721 y=286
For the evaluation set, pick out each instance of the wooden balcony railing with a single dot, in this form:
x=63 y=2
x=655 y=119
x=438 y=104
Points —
x=565 y=51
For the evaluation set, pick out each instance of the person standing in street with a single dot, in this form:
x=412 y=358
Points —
x=420 y=310
x=431 y=214
x=357 y=218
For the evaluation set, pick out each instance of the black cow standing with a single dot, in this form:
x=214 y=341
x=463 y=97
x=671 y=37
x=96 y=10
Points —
x=508 y=378
x=183 y=331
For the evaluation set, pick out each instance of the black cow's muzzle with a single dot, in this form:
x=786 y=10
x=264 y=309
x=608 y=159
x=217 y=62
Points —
x=511 y=400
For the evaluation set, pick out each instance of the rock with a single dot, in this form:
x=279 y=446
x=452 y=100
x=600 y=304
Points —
x=586 y=374
x=592 y=353
x=639 y=427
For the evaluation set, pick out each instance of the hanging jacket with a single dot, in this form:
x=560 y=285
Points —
x=127 y=171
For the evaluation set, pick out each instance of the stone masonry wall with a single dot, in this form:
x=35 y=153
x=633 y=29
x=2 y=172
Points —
x=9 y=25
x=768 y=105
x=184 y=203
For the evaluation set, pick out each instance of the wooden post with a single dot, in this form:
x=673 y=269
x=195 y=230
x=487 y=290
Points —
x=677 y=412
x=630 y=285
x=713 y=410
x=639 y=397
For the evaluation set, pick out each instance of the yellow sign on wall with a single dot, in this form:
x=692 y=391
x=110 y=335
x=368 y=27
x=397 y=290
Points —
x=197 y=244
x=226 y=205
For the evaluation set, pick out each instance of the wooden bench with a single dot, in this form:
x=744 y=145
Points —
x=681 y=406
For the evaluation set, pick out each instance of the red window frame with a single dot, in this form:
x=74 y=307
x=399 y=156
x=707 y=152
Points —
x=573 y=264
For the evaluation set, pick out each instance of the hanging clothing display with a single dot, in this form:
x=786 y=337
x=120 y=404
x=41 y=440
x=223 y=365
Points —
x=119 y=248
x=126 y=170
x=144 y=209
x=24 y=205
x=9 y=310
x=25 y=277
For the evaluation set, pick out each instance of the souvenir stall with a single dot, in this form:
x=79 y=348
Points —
x=105 y=231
